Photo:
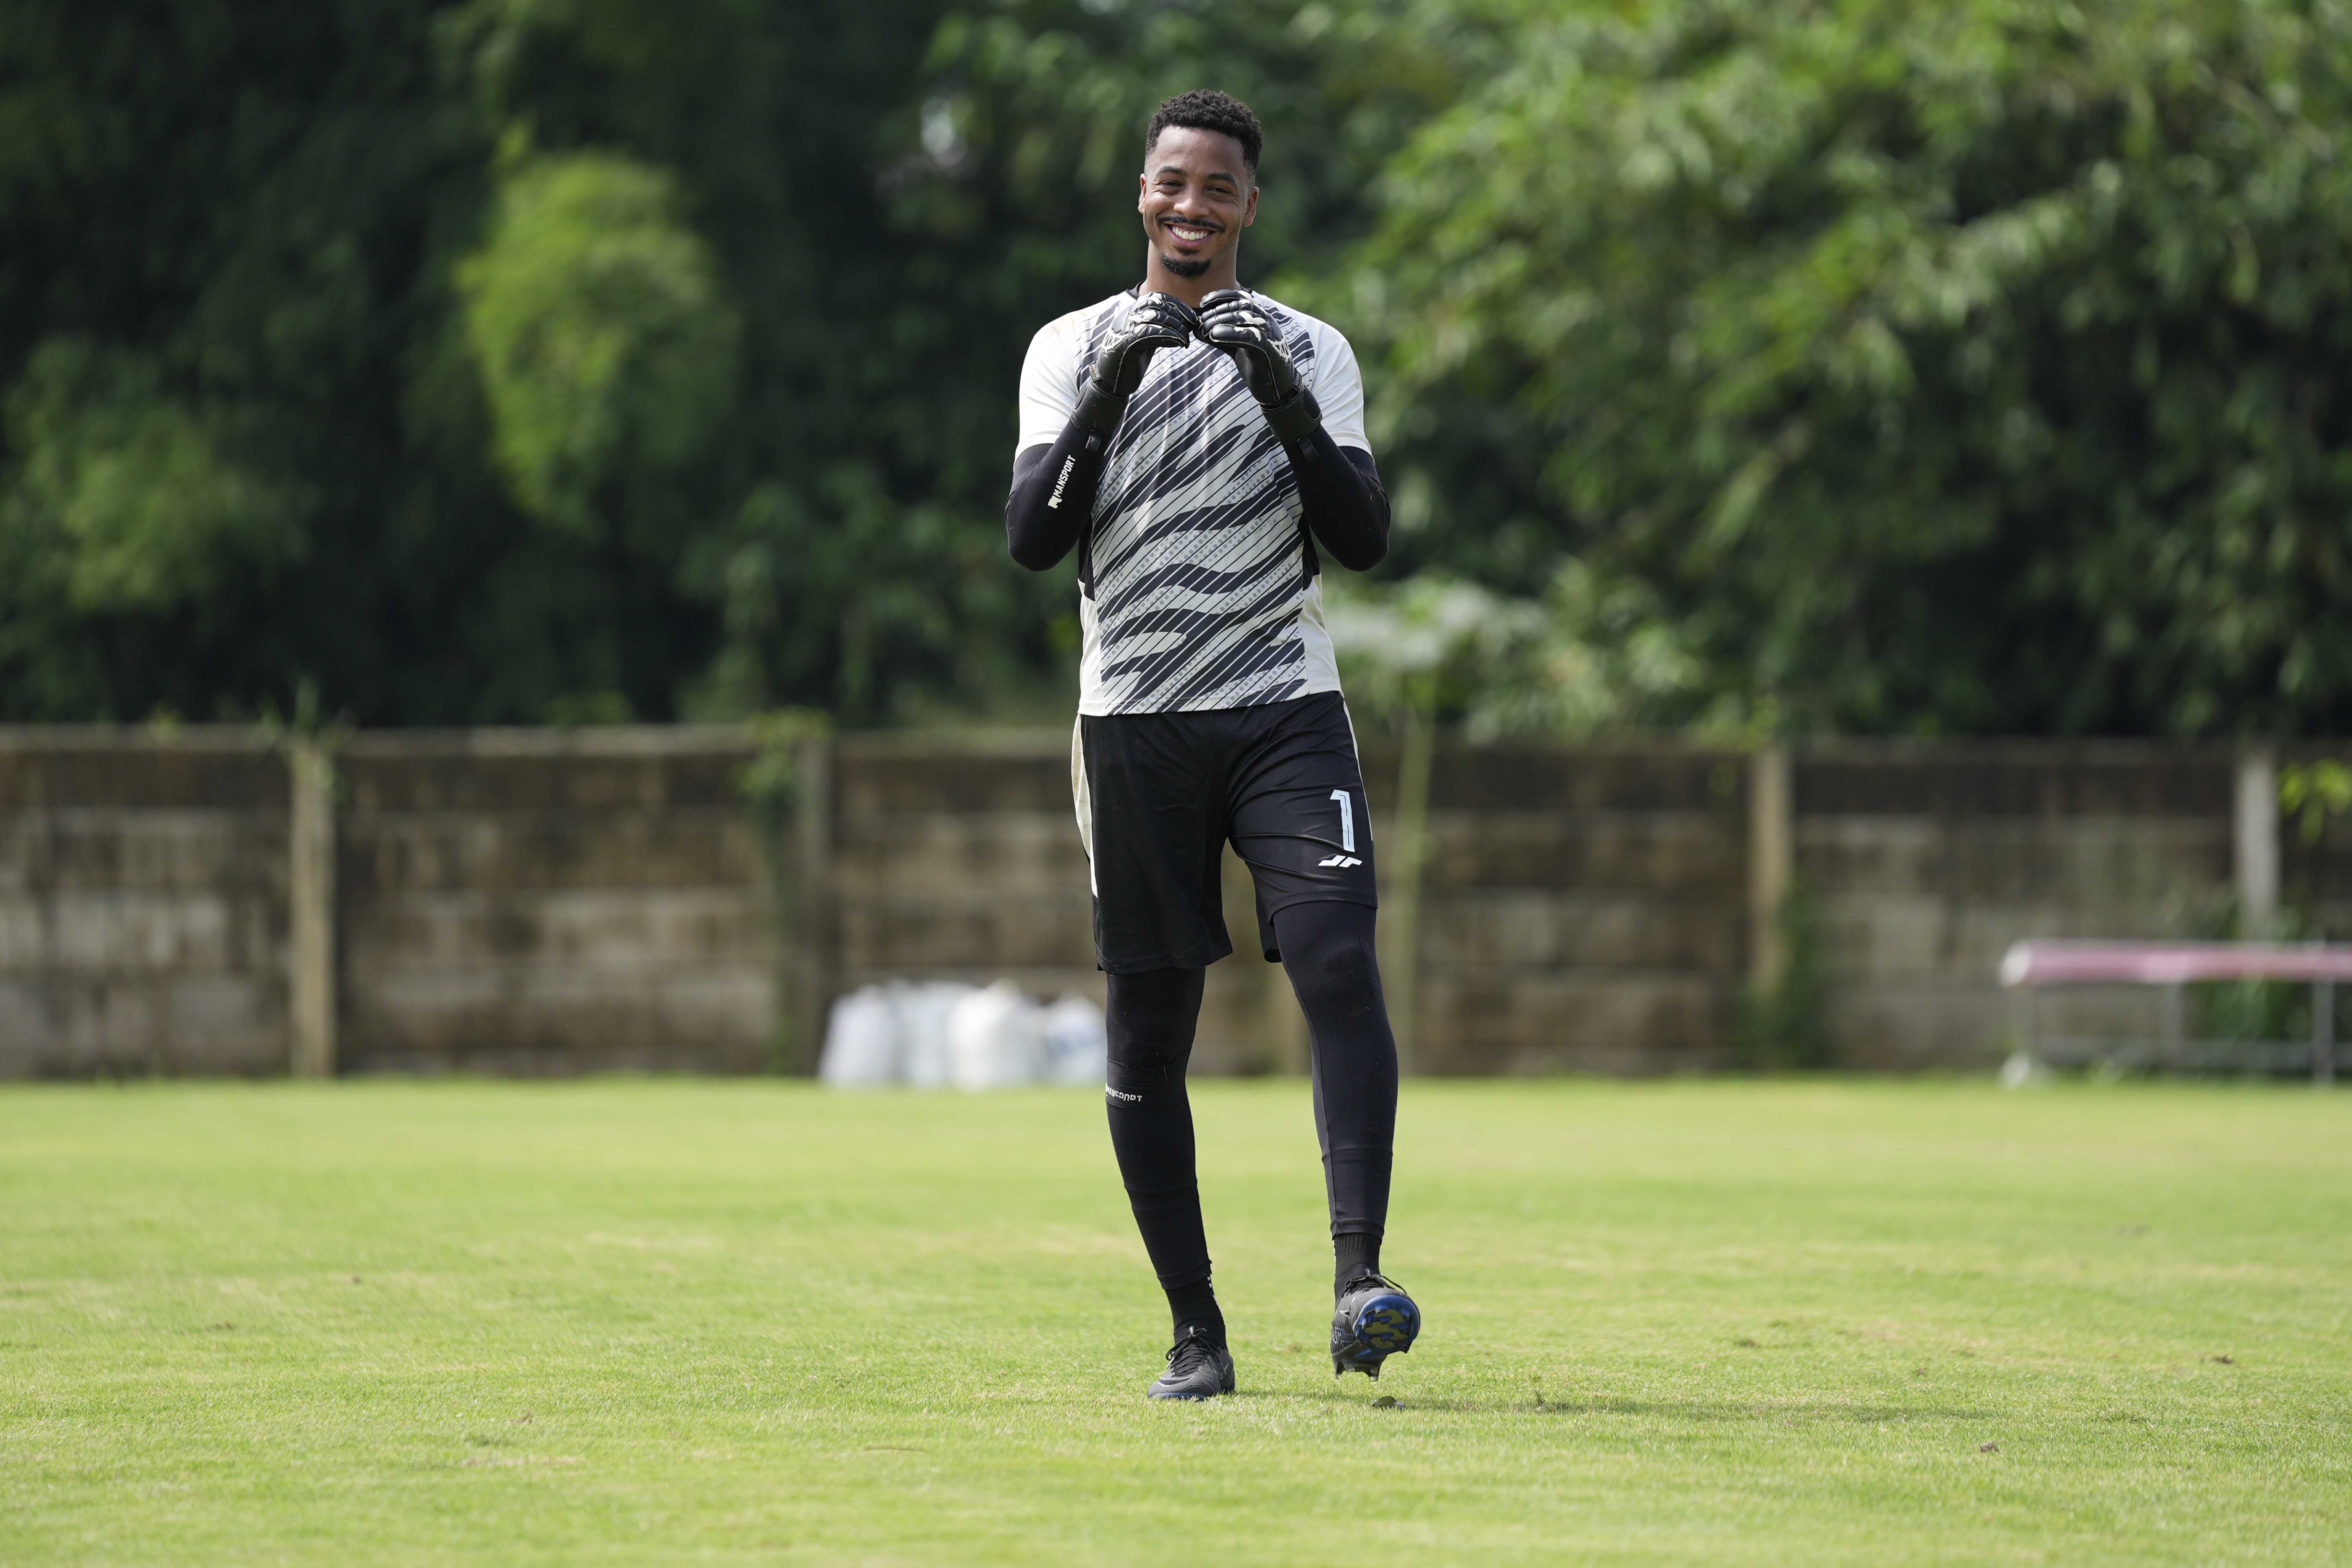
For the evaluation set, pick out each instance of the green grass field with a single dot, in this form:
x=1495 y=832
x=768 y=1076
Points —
x=649 y=1321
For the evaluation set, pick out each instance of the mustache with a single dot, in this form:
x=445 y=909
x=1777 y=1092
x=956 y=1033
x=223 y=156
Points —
x=1211 y=225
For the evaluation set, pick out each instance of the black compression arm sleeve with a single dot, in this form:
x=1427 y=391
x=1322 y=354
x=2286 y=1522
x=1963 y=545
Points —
x=1340 y=488
x=1053 y=495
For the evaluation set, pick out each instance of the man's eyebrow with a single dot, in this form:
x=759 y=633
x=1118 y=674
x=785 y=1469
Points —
x=1179 y=171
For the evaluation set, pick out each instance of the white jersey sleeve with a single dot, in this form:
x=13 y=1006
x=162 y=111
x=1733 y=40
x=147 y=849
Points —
x=1338 y=386
x=1049 y=381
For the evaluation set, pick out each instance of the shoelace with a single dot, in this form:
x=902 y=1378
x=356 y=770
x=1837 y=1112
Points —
x=1189 y=1352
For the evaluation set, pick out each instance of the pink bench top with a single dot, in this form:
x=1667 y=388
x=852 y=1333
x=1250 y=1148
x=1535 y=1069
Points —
x=2169 y=962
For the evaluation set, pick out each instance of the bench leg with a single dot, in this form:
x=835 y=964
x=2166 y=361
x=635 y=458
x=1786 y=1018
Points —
x=2023 y=1026
x=2323 y=1031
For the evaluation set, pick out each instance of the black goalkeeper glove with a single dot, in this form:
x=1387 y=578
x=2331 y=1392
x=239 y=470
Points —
x=1157 y=322
x=1233 y=322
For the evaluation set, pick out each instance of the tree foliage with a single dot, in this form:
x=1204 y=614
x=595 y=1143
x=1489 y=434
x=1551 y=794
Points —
x=596 y=317
x=1842 y=365
x=1584 y=658
x=1944 y=368
x=126 y=492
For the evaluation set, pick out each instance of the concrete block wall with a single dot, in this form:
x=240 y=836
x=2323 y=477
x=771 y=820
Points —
x=1583 y=908
x=534 y=901
x=959 y=860
x=560 y=902
x=1927 y=860
x=142 y=903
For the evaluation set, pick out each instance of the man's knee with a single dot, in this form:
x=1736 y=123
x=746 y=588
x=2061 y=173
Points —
x=1330 y=953
x=1151 y=1020
x=1134 y=1067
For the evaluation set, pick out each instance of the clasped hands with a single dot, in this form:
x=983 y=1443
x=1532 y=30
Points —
x=1229 y=319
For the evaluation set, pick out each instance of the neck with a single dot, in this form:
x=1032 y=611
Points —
x=1222 y=273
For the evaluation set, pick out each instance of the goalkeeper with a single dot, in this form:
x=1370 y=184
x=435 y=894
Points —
x=1201 y=447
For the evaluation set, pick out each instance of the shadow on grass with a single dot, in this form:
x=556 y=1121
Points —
x=1785 y=1412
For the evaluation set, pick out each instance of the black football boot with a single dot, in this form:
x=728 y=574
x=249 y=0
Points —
x=1198 y=1368
x=1373 y=1320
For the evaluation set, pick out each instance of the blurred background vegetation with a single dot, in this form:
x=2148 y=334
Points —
x=1839 y=367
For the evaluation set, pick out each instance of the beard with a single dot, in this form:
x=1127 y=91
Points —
x=1181 y=267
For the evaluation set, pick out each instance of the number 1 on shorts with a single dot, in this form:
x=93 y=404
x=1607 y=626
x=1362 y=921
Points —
x=1347 y=821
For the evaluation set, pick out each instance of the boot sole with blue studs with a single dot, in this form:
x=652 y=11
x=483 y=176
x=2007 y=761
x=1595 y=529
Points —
x=1375 y=1320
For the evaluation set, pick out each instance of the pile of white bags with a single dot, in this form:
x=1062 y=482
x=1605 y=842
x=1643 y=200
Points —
x=937 y=1033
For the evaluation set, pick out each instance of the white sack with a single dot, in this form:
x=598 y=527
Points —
x=861 y=1041
x=924 y=1011
x=994 y=1040
x=1078 y=1046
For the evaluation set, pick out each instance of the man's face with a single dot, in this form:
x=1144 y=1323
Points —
x=1197 y=197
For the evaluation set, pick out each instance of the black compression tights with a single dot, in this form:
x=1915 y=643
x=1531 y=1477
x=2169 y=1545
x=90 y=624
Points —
x=1327 y=949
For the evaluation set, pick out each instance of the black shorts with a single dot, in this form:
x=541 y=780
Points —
x=1159 y=794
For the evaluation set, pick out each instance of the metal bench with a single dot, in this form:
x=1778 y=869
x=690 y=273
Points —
x=2030 y=967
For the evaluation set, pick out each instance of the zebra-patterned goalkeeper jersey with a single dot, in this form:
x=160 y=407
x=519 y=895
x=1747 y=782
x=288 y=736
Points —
x=1196 y=584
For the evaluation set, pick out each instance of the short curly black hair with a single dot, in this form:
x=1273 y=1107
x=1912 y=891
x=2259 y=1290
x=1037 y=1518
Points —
x=1204 y=109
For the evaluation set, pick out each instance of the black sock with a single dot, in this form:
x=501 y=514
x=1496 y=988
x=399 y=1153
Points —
x=1354 y=1254
x=1195 y=1306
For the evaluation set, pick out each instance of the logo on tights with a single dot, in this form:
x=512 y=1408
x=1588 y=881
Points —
x=1122 y=1094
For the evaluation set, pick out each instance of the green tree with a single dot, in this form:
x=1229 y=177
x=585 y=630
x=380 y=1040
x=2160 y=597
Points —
x=244 y=446
x=604 y=346
x=1842 y=366
x=840 y=544
x=488 y=360
x=1966 y=368
x=125 y=493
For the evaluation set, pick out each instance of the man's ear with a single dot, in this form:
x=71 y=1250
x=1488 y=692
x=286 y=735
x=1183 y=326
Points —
x=1249 y=209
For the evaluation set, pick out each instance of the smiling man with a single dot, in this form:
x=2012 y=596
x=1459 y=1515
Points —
x=1196 y=442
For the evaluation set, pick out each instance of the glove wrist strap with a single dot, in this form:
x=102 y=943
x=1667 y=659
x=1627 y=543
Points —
x=1295 y=420
x=1097 y=410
